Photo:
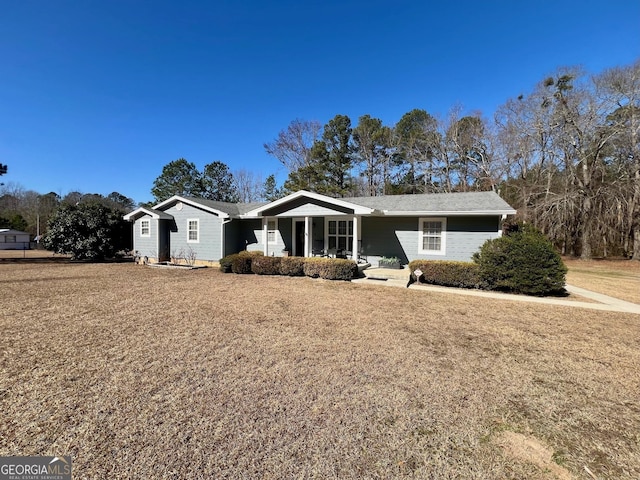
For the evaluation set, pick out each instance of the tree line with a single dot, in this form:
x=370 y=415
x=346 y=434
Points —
x=566 y=155
x=30 y=211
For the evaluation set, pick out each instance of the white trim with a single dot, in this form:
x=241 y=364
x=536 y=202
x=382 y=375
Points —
x=189 y=220
x=359 y=209
x=443 y=236
x=356 y=238
x=193 y=203
x=148 y=221
x=307 y=236
x=448 y=213
x=337 y=235
x=274 y=230
x=147 y=211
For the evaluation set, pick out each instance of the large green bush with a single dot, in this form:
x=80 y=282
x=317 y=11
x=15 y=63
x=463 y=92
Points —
x=266 y=265
x=330 y=268
x=522 y=261
x=87 y=231
x=292 y=266
x=448 y=273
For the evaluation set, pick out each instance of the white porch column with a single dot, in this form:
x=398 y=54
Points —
x=307 y=236
x=265 y=236
x=354 y=247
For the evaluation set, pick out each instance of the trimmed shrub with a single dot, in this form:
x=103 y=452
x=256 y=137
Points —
x=330 y=268
x=266 y=265
x=226 y=262
x=522 y=261
x=241 y=262
x=292 y=266
x=448 y=273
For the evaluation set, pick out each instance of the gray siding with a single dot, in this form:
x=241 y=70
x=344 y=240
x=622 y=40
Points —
x=209 y=245
x=146 y=246
x=231 y=237
x=399 y=237
x=284 y=226
x=306 y=207
x=250 y=235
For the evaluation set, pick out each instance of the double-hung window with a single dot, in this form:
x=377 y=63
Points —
x=272 y=228
x=340 y=234
x=193 y=230
x=432 y=236
x=145 y=228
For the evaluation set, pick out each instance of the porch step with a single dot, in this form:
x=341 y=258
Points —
x=377 y=273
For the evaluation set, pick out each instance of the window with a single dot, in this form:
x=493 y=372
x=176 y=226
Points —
x=145 y=228
x=193 y=230
x=10 y=239
x=340 y=234
x=432 y=236
x=272 y=228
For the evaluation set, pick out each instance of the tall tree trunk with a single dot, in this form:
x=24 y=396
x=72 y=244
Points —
x=586 y=228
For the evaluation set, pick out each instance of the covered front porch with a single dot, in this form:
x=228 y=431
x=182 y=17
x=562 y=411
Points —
x=338 y=237
x=306 y=224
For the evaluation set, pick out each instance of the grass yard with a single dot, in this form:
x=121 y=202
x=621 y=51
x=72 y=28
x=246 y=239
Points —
x=617 y=278
x=155 y=373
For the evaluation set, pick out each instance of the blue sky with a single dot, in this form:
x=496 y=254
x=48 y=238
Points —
x=97 y=96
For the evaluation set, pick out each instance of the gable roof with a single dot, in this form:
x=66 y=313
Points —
x=153 y=213
x=426 y=204
x=358 y=209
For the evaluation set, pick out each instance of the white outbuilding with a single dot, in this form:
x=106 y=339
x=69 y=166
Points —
x=13 y=239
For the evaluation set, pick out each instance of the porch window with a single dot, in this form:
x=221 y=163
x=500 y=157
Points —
x=145 y=228
x=272 y=228
x=193 y=230
x=340 y=234
x=432 y=233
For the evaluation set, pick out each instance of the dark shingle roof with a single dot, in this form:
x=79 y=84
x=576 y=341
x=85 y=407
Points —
x=435 y=202
x=464 y=202
x=233 y=209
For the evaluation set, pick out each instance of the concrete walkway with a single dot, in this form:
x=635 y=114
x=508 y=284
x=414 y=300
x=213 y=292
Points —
x=399 y=278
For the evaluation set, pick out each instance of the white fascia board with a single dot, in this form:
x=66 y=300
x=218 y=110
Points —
x=178 y=198
x=145 y=211
x=441 y=213
x=357 y=209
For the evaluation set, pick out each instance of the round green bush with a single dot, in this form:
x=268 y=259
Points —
x=522 y=261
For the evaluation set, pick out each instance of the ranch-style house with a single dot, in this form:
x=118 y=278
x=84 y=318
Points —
x=441 y=226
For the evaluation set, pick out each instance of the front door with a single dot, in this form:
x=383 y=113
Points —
x=299 y=239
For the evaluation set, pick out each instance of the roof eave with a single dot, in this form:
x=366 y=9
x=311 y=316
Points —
x=178 y=198
x=449 y=213
x=357 y=209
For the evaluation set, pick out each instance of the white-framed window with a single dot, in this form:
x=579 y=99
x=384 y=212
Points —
x=432 y=234
x=339 y=234
x=272 y=230
x=145 y=228
x=193 y=230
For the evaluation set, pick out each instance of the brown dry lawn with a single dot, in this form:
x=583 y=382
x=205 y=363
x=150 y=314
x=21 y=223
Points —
x=617 y=278
x=153 y=373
